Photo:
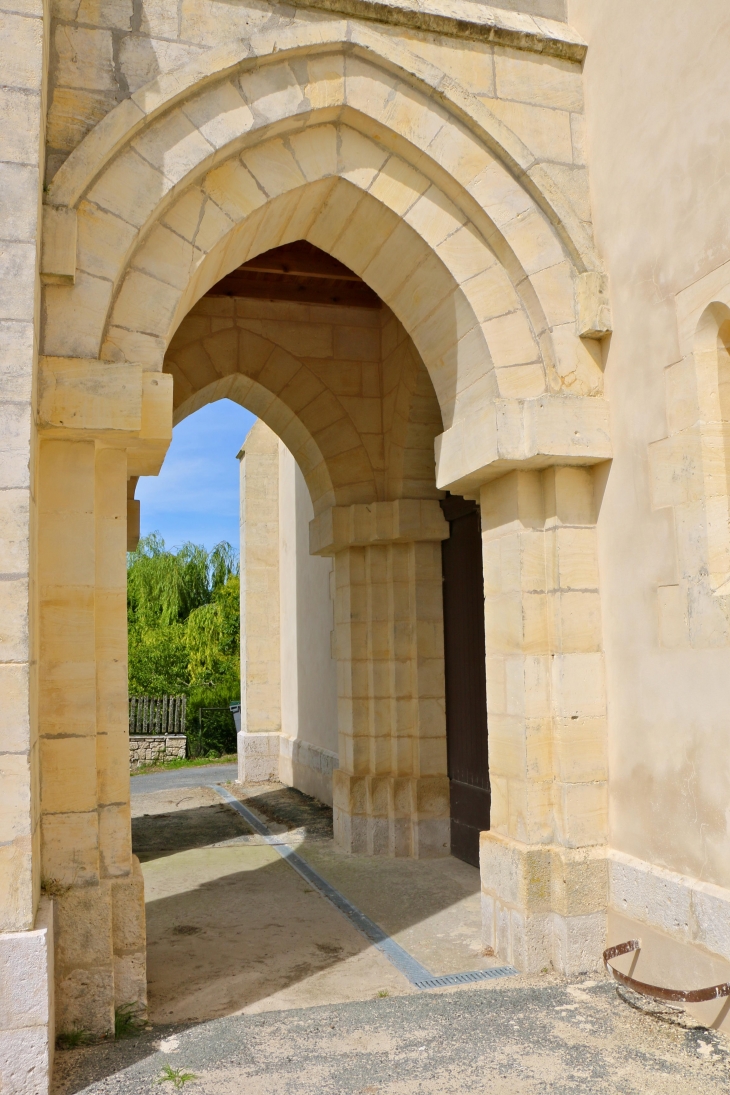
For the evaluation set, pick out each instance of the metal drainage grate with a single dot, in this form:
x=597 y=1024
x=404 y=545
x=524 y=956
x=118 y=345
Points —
x=466 y=978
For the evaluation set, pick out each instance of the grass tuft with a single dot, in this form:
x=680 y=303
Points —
x=171 y=765
x=72 y=1039
x=128 y=1021
x=383 y=993
x=175 y=1076
x=52 y=887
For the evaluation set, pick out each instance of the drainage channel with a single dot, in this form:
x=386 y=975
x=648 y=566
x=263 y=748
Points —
x=410 y=967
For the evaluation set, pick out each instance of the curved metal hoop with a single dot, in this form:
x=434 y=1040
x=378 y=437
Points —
x=674 y=996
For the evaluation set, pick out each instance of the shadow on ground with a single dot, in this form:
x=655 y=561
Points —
x=232 y=929
x=158 y=835
x=231 y=926
x=162 y=834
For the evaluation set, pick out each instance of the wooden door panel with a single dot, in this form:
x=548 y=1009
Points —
x=465 y=669
x=469 y=817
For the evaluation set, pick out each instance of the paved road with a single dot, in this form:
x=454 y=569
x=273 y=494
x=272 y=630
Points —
x=184 y=777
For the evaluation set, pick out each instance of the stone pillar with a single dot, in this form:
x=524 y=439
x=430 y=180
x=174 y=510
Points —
x=86 y=852
x=258 y=739
x=391 y=790
x=116 y=861
x=543 y=866
x=26 y=988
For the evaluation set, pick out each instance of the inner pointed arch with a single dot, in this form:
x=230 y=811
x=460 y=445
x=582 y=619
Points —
x=304 y=343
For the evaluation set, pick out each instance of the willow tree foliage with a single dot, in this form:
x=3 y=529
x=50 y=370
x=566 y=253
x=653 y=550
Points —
x=184 y=622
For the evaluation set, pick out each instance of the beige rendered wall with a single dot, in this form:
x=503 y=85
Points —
x=308 y=668
x=657 y=122
x=551 y=9
x=288 y=673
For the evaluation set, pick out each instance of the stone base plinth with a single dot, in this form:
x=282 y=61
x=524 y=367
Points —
x=543 y=906
x=307 y=767
x=85 y=959
x=27 y=1028
x=683 y=924
x=129 y=940
x=392 y=815
x=258 y=757
x=100 y=952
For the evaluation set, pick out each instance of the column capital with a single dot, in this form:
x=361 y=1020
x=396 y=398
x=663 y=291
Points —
x=118 y=403
x=403 y=521
x=509 y=434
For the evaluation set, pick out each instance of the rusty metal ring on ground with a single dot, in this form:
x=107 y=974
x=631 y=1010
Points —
x=674 y=996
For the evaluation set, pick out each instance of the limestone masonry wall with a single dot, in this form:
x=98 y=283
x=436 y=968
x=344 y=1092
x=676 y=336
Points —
x=147 y=749
x=440 y=151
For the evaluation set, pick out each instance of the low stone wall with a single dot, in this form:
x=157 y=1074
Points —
x=155 y=749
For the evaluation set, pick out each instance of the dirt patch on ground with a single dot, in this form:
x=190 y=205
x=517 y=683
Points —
x=159 y=835
x=285 y=808
x=167 y=822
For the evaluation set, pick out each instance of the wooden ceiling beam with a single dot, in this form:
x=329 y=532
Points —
x=297 y=271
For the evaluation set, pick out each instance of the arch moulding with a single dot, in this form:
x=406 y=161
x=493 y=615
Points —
x=328 y=132
x=207 y=154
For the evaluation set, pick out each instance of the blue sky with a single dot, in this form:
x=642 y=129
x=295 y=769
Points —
x=195 y=496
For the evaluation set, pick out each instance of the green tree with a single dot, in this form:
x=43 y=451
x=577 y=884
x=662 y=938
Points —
x=158 y=661
x=183 y=610
x=164 y=587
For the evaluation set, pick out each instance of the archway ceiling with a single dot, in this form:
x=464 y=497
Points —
x=492 y=216
x=297 y=271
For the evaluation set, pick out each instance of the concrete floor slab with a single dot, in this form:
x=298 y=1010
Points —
x=230 y=927
x=259 y=984
x=234 y=928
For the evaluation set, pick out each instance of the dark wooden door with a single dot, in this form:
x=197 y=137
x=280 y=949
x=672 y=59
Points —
x=466 y=683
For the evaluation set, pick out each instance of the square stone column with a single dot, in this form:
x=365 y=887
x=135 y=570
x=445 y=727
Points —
x=87 y=862
x=543 y=866
x=391 y=791
x=258 y=738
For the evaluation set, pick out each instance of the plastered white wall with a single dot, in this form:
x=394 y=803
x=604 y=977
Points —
x=308 y=670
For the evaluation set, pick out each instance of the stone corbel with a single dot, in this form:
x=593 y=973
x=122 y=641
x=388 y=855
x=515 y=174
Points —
x=521 y=433
x=58 y=245
x=407 y=520
x=119 y=404
x=592 y=305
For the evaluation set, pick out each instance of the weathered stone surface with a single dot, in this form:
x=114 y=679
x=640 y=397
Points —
x=440 y=152
x=147 y=749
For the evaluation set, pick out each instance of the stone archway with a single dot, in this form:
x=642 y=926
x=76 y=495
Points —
x=369 y=153
x=358 y=411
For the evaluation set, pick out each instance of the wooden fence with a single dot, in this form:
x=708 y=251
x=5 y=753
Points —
x=157 y=714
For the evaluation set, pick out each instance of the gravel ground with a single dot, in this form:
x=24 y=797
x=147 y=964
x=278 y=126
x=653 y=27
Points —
x=500 y=1039
x=517 y=1036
